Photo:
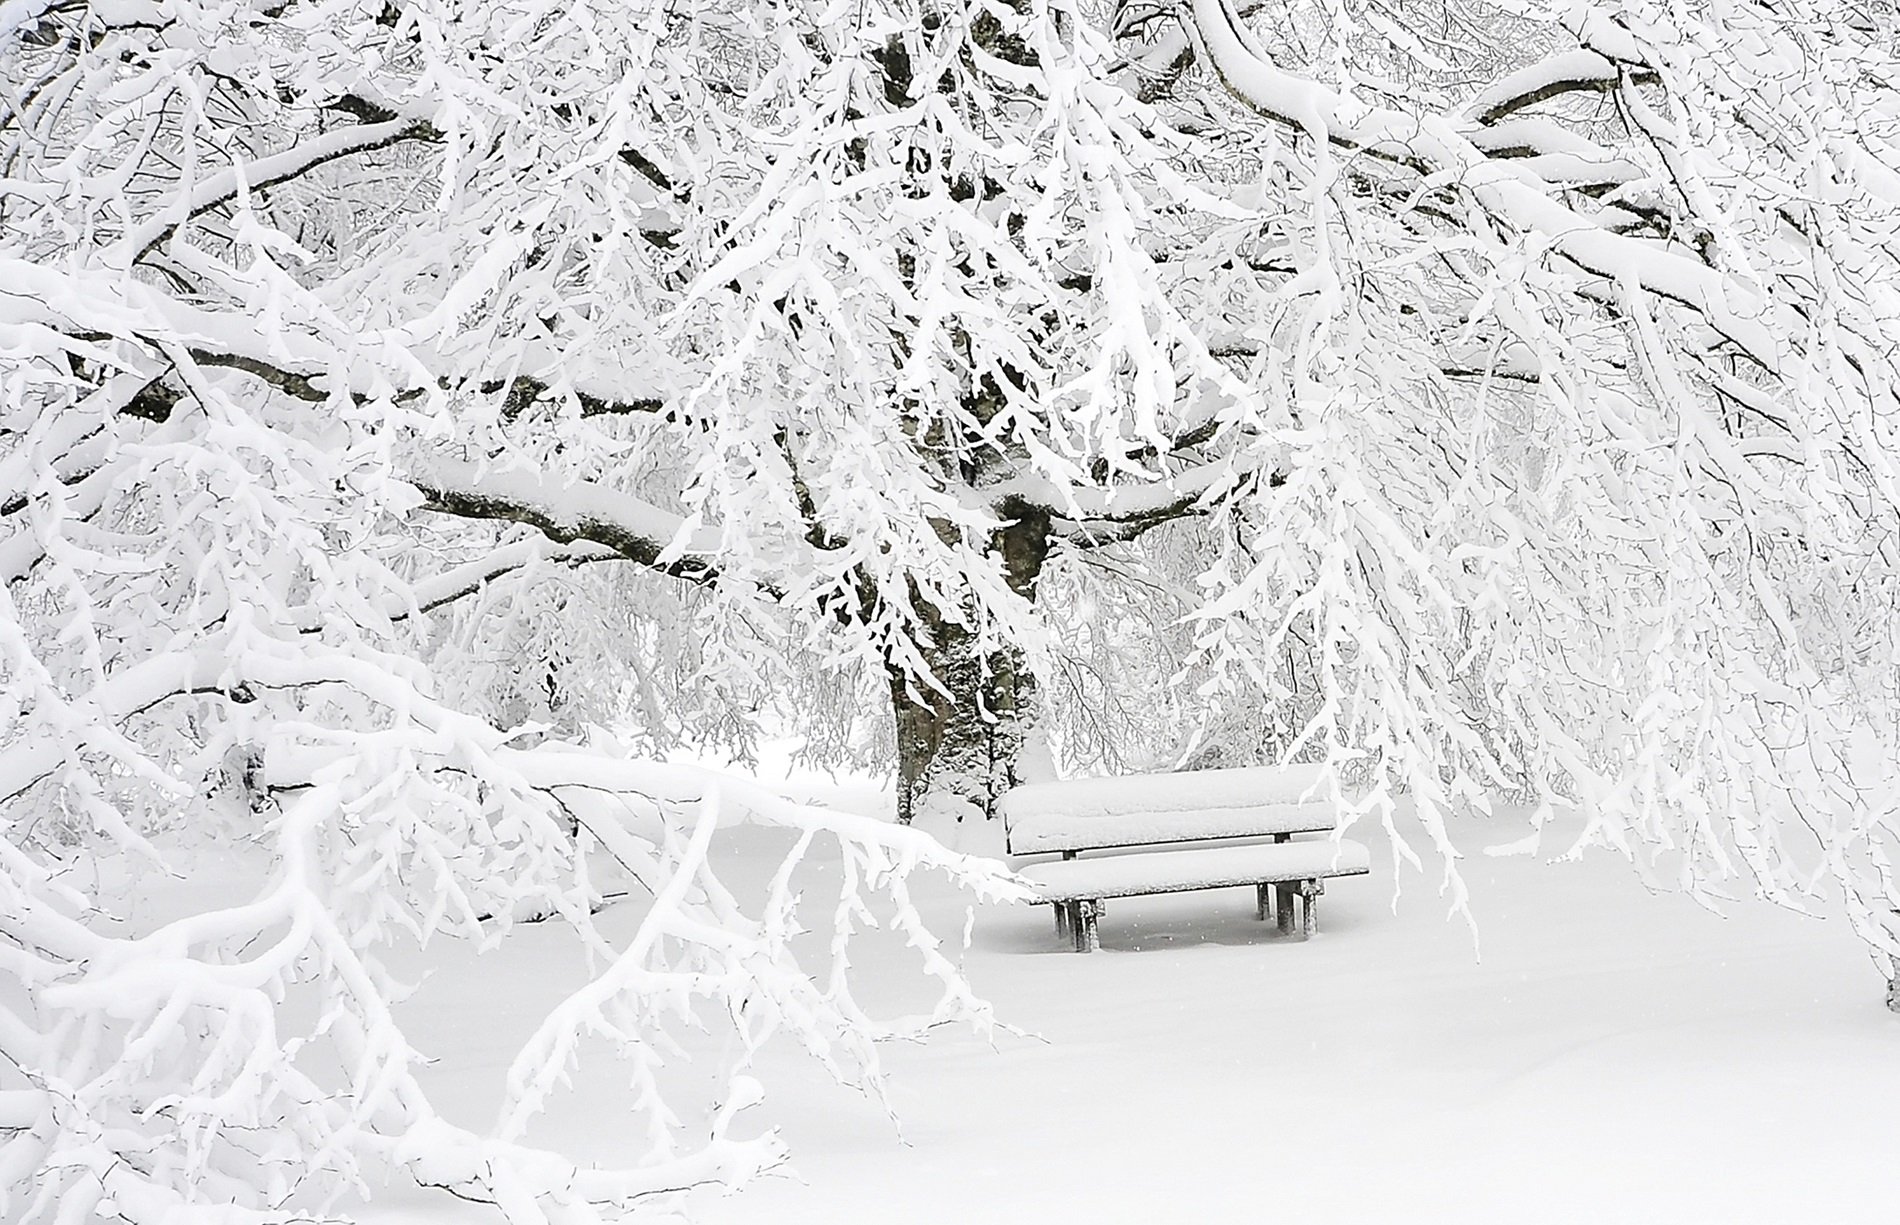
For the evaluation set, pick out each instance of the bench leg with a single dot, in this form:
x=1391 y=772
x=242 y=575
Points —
x=1309 y=906
x=1062 y=919
x=1262 y=905
x=1082 y=923
x=1283 y=907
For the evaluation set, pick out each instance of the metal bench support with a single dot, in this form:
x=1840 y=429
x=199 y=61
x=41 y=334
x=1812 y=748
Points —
x=1309 y=906
x=1082 y=923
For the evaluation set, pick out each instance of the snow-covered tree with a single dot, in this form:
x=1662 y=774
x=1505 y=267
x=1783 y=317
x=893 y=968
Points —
x=1492 y=396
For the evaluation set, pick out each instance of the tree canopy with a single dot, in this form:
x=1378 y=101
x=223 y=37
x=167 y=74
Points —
x=1477 y=397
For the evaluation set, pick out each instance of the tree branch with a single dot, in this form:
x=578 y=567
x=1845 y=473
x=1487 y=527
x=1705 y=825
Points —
x=1510 y=195
x=575 y=510
x=520 y=394
x=459 y=582
x=1568 y=72
x=276 y=168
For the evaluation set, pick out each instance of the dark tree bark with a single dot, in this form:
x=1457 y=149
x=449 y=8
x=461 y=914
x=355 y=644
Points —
x=960 y=745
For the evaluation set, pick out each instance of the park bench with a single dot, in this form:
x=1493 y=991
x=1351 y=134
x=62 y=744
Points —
x=1171 y=813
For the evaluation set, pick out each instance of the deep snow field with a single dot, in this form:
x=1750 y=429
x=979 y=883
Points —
x=1614 y=1056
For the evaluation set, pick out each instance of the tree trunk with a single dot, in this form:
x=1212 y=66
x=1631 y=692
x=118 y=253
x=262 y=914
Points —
x=958 y=747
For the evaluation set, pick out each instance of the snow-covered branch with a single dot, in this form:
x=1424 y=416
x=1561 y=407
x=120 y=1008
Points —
x=569 y=511
x=1567 y=72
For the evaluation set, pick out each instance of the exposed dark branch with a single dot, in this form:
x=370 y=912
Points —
x=289 y=382
x=1115 y=529
x=1583 y=83
x=563 y=526
x=644 y=544
x=157 y=400
x=651 y=172
x=362 y=109
x=526 y=389
x=1494 y=372
x=1094 y=533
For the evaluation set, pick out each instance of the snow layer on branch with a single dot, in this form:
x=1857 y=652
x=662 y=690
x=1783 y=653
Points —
x=1554 y=76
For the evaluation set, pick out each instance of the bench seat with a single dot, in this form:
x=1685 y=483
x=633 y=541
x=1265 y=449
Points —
x=1066 y=880
x=1280 y=873
x=1167 y=812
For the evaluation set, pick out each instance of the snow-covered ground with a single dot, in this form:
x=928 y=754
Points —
x=1614 y=1056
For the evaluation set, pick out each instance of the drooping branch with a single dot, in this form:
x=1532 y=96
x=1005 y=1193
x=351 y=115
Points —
x=459 y=582
x=272 y=170
x=1507 y=193
x=568 y=512
x=1568 y=72
x=129 y=690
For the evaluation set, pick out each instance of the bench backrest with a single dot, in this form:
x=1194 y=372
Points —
x=1142 y=809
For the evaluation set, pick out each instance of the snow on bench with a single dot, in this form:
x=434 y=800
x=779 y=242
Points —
x=1167 y=811
x=1191 y=806
x=1065 y=880
x=1042 y=835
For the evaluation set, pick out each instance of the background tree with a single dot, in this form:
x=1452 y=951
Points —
x=1470 y=411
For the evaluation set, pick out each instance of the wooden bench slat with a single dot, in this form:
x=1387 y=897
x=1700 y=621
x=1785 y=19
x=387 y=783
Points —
x=1202 y=868
x=1036 y=835
x=1180 y=791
